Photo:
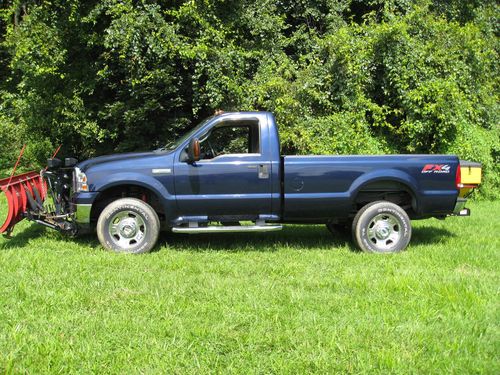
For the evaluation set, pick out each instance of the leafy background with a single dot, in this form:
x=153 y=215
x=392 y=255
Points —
x=341 y=76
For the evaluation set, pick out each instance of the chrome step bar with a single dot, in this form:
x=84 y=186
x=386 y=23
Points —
x=227 y=229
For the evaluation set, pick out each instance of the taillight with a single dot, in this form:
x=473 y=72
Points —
x=458 y=178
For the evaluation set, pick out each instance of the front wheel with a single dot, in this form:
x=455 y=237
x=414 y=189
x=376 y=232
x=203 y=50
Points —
x=128 y=225
x=381 y=227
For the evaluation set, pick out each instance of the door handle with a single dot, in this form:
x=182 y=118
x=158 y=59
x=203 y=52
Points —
x=263 y=171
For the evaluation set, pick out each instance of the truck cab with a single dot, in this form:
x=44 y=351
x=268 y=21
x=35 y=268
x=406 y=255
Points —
x=236 y=175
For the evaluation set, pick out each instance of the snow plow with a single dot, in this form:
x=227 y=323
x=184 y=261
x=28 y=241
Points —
x=42 y=197
x=23 y=192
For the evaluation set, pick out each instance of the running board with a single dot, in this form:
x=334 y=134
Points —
x=227 y=229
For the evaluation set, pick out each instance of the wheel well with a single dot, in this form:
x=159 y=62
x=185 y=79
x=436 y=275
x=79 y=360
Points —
x=392 y=191
x=126 y=191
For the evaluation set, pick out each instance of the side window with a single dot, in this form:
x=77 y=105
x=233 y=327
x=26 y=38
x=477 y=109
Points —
x=231 y=139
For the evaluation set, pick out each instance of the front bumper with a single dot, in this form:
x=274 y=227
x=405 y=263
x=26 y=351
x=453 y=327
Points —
x=82 y=213
x=82 y=207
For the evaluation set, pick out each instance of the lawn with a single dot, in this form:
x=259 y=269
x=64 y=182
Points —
x=297 y=301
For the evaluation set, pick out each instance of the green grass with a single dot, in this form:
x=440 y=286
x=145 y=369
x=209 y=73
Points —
x=297 y=301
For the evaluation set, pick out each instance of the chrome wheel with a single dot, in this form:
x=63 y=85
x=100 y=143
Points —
x=384 y=231
x=127 y=229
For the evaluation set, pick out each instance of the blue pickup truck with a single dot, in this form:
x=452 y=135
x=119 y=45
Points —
x=227 y=175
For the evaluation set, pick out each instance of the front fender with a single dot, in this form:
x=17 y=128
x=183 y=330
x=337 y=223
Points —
x=138 y=179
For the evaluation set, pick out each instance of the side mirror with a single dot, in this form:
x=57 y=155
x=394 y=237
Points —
x=194 y=150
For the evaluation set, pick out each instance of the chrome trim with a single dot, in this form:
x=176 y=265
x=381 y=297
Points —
x=162 y=171
x=82 y=213
x=263 y=171
x=127 y=229
x=385 y=231
x=228 y=229
x=229 y=156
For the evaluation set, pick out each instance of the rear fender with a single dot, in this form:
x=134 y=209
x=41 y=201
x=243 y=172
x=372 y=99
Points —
x=393 y=175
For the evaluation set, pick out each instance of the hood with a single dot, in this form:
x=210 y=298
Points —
x=85 y=165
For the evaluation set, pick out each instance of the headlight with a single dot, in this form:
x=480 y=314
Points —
x=80 y=183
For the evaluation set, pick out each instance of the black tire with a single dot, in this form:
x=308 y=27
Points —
x=381 y=227
x=128 y=225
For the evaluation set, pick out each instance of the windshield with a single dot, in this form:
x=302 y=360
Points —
x=174 y=144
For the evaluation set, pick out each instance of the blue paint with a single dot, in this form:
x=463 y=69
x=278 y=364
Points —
x=310 y=188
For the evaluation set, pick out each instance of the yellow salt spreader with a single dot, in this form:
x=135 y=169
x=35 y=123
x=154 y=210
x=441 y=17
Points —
x=468 y=178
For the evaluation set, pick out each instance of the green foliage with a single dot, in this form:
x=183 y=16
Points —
x=8 y=144
x=350 y=76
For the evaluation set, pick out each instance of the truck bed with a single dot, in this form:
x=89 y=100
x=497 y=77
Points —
x=327 y=186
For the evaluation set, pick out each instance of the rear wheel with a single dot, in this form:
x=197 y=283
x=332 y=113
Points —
x=128 y=225
x=381 y=227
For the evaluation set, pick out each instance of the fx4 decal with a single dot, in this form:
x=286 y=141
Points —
x=436 y=168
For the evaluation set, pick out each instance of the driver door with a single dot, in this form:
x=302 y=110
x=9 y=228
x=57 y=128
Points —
x=233 y=178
